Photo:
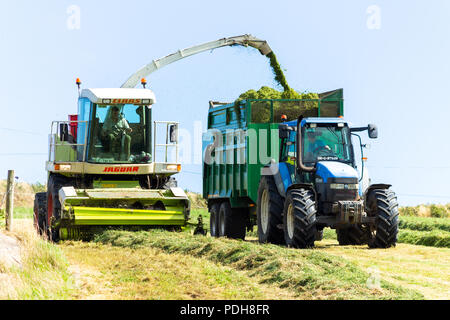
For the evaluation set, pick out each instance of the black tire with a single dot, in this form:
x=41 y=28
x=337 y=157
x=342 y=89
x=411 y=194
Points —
x=269 y=214
x=300 y=218
x=231 y=223
x=40 y=212
x=382 y=204
x=354 y=235
x=213 y=220
x=55 y=183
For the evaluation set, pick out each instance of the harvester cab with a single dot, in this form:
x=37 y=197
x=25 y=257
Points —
x=111 y=165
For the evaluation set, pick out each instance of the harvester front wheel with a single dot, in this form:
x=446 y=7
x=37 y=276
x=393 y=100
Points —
x=232 y=223
x=300 y=219
x=55 y=183
x=213 y=220
x=40 y=210
x=382 y=204
x=269 y=212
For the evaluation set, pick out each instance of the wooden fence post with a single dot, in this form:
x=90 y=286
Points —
x=9 y=200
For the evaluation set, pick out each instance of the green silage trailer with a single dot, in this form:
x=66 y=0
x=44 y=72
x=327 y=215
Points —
x=242 y=138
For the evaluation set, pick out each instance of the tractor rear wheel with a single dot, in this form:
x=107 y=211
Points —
x=40 y=210
x=382 y=204
x=213 y=220
x=354 y=235
x=269 y=212
x=300 y=218
x=232 y=223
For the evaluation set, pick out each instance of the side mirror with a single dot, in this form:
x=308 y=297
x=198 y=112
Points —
x=173 y=133
x=283 y=131
x=372 y=131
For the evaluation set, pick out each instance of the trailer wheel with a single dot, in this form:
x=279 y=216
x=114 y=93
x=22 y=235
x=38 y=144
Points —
x=55 y=183
x=300 y=218
x=40 y=210
x=231 y=223
x=382 y=204
x=213 y=220
x=354 y=235
x=319 y=235
x=269 y=212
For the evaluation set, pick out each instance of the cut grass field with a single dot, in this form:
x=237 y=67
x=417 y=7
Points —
x=177 y=265
x=108 y=272
x=308 y=274
x=43 y=271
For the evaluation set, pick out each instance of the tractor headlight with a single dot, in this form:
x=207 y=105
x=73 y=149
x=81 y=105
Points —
x=344 y=186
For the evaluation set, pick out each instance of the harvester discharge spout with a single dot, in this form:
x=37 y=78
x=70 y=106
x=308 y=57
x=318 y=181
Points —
x=243 y=40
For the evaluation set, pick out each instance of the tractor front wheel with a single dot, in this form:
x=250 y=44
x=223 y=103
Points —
x=382 y=204
x=300 y=219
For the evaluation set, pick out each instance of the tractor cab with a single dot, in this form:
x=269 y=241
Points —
x=322 y=140
x=319 y=152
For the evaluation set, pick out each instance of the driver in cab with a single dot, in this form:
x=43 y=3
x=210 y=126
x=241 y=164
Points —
x=314 y=145
x=115 y=132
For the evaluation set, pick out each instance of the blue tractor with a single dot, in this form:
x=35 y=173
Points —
x=316 y=184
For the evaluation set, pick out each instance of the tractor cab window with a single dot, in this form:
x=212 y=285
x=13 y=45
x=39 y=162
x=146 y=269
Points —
x=120 y=134
x=322 y=142
x=291 y=148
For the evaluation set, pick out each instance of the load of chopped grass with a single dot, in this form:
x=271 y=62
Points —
x=309 y=273
x=261 y=113
x=269 y=93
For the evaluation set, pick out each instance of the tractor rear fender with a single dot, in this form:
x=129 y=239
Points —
x=280 y=174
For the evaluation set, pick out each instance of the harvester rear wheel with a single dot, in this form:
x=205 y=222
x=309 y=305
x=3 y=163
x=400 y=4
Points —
x=269 y=212
x=213 y=220
x=55 y=183
x=232 y=223
x=40 y=210
x=300 y=218
x=382 y=204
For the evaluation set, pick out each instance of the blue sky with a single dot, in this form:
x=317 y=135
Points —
x=396 y=76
